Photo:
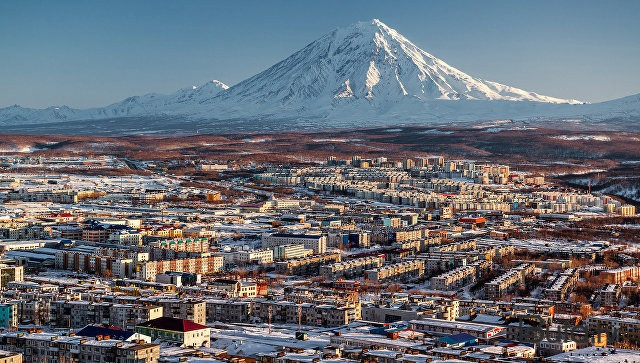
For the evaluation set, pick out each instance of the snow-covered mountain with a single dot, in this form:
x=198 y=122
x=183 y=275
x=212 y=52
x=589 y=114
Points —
x=183 y=101
x=363 y=74
x=368 y=61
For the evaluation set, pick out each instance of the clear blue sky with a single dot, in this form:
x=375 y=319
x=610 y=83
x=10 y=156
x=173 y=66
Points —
x=92 y=53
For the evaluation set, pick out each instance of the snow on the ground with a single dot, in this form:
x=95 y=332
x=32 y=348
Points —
x=582 y=137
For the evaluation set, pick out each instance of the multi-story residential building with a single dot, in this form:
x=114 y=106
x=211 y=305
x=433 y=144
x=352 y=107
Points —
x=186 y=245
x=96 y=233
x=441 y=309
x=128 y=316
x=401 y=271
x=126 y=238
x=77 y=314
x=47 y=347
x=308 y=265
x=348 y=239
x=108 y=351
x=627 y=210
x=8 y=315
x=317 y=243
x=261 y=257
x=186 y=309
x=89 y=261
x=508 y=281
x=362 y=341
x=21 y=245
x=228 y=311
x=543 y=308
x=289 y=252
x=454 y=279
x=10 y=273
x=610 y=295
x=618 y=329
x=33 y=310
x=54 y=196
x=351 y=268
x=469 y=245
x=562 y=285
x=179 y=279
x=326 y=315
x=235 y=288
x=620 y=274
x=147 y=197
x=10 y=357
x=205 y=265
x=15 y=231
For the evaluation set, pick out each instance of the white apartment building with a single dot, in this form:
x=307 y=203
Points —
x=263 y=256
x=317 y=243
x=126 y=238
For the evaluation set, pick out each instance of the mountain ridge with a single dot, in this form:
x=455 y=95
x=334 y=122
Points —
x=365 y=72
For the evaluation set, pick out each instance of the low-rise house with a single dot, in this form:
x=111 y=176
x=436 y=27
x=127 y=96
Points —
x=184 y=333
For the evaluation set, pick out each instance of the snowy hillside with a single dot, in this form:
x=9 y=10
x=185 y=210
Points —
x=184 y=101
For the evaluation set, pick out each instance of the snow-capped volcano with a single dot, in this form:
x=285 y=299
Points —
x=368 y=60
x=364 y=74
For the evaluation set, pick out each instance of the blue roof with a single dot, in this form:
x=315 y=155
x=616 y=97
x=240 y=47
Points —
x=458 y=338
x=94 y=330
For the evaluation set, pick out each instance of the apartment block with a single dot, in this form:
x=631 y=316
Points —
x=308 y=265
x=234 y=288
x=198 y=265
x=326 y=315
x=401 y=271
x=261 y=257
x=9 y=273
x=454 y=279
x=93 y=263
x=185 y=245
x=48 y=347
x=228 y=311
x=186 y=309
x=510 y=280
x=610 y=295
x=317 y=243
x=10 y=357
x=620 y=274
x=562 y=285
x=288 y=252
x=9 y=315
x=351 y=268
x=78 y=314
x=618 y=328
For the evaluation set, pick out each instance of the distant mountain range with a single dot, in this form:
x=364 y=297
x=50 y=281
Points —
x=366 y=74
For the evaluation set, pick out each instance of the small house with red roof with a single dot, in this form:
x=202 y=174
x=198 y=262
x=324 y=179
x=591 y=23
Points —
x=184 y=333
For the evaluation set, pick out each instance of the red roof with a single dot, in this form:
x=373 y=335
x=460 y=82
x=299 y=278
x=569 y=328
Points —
x=61 y=215
x=473 y=220
x=173 y=324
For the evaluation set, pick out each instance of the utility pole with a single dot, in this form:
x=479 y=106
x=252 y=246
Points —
x=299 y=317
x=270 y=310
